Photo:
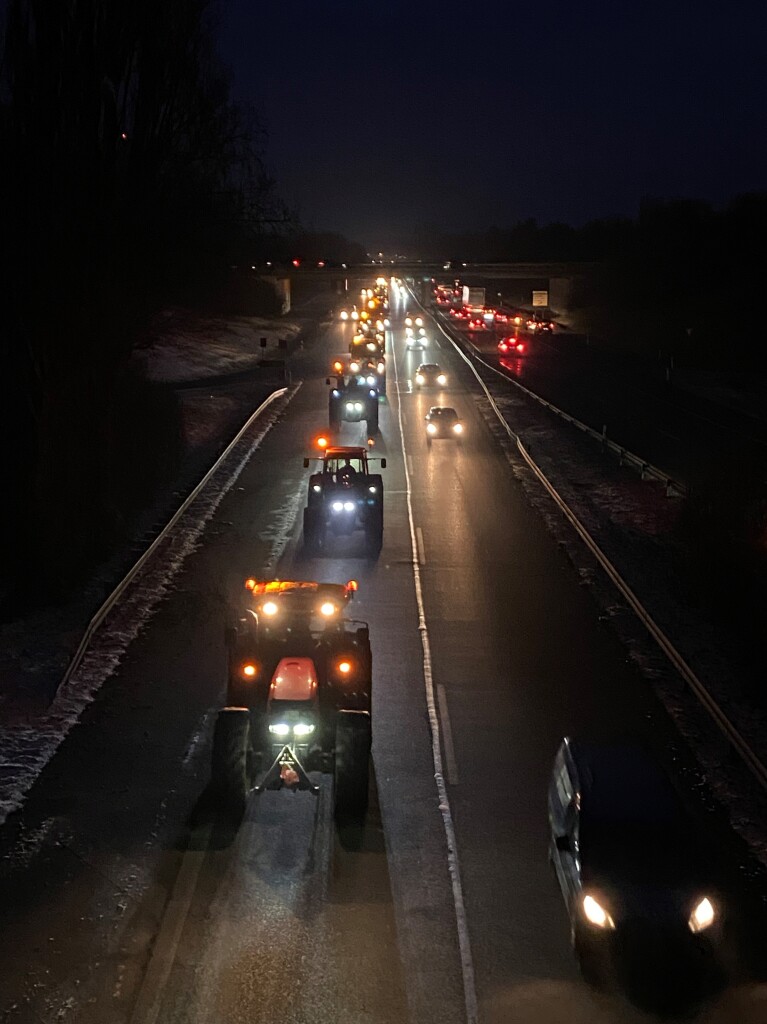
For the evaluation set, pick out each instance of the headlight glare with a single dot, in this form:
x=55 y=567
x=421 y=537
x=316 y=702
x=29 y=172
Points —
x=348 y=506
x=703 y=916
x=337 y=506
x=303 y=729
x=327 y=608
x=279 y=728
x=596 y=914
x=419 y=378
x=431 y=428
x=270 y=608
x=457 y=428
x=442 y=379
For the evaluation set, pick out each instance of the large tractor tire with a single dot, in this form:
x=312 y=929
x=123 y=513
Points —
x=372 y=418
x=375 y=531
x=230 y=767
x=312 y=531
x=352 y=764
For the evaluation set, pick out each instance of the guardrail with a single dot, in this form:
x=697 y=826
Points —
x=122 y=586
x=645 y=469
x=720 y=719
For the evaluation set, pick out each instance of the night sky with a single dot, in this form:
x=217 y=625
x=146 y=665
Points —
x=471 y=115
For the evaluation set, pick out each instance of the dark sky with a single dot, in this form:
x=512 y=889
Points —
x=468 y=115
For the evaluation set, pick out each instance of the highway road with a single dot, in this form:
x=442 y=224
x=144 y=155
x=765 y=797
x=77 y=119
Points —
x=123 y=898
x=686 y=436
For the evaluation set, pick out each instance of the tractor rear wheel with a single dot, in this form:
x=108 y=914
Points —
x=352 y=764
x=230 y=777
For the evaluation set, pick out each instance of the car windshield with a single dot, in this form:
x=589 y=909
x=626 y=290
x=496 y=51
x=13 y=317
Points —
x=444 y=414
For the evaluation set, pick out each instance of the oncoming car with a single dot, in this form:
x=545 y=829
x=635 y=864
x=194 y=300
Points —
x=415 y=340
x=430 y=375
x=442 y=422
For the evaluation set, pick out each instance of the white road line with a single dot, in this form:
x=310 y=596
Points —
x=447 y=736
x=462 y=924
x=410 y=465
x=149 y=999
x=419 y=544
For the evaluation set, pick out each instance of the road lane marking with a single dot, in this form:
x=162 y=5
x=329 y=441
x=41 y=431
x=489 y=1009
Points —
x=461 y=920
x=447 y=736
x=149 y=1000
x=410 y=465
x=419 y=543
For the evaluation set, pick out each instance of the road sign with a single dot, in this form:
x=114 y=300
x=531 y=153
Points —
x=540 y=298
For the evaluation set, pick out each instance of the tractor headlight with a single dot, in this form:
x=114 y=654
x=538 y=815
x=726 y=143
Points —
x=703 y=916
x=303 y=729
x=316 y=488
x=442 y=379
x=350 y=406
x=327 y=608
x=348 y=506
x=337 y=506
x=279 y=728
x=358 y=406
x=431 y=428
x=270 y=608
x=372 y=490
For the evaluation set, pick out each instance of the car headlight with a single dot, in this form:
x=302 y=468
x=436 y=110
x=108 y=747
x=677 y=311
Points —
x=348 y=506
x=344 y=315
x=431 y=428
x=457 y=428
x=358 y=406
x=372 y=393
x=424 y=342
x=279 y=728
x=354 y=367
x=408 y=332
x=371 y=346
x=350 y=406
x=337 y=506
x=316 y=488
x=355 y=315
x=422 y=331
x=270 y=608
x=409 y=321
x=303 y=729
x=371 y=379
x=703 y=916
x=327 y=608
x=419 y=378
x=596 y=914
x=442 y=379
x=335 y=392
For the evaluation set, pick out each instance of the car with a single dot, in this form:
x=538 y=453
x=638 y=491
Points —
x=430 y=375
x=352 y=399
x=298 y=696
x=442 y=422
x=348 y=313
x=416 y=338
x=512 y=346
x=631 y=867
x=343 y=497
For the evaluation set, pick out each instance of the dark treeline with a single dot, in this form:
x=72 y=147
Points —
x=676 y=279
x=129 y=179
